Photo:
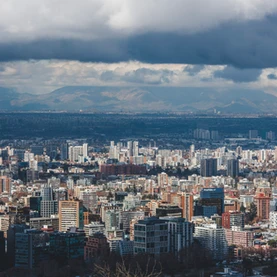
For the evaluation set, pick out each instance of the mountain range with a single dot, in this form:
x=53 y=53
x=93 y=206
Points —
x=140 y=99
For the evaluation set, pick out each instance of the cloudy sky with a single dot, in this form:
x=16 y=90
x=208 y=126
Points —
x=47 y=44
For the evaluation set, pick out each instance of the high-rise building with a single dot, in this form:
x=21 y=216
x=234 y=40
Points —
x=187 y=206
x=64 y=151
x=253 y=134
x=48 y=206
x=239 y=150
x=130 y=148
x=162 y=179
x=214 y=135
x=35 y=203
x=233 y=168
x=213 y=238
x=135 y=148
x=233 y=219
x=31 y=248
x=208 y=167
x=11 y=233
x=213 y=197
x=180 y=234
x=70 y=215
x=74 y=152
x=5 y=184
x=85 y=150
x=151 y=236
x=270 y=135
x=263 y=197
x=68 y=245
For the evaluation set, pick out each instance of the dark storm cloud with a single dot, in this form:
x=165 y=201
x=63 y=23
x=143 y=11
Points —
x=272 y=76
x=194 y=70
x=250 y=44
x=238 y=75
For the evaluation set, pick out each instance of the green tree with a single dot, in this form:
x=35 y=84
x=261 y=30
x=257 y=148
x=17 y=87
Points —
x=272 y=243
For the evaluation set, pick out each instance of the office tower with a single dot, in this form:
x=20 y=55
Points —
x=151 y=236
x=263 y=197
x=48 y=206
x=35 y=203
x=96 y=246
x=64 y=151
x=233 y=168
x=187 y=206
x=11 y=233
x=67 y=245
x=208 y=167
x=213 y=197
x=180 y=234
x=70 y=215
x=212 y=238
x=253 y=134
x=31 y=248
x=233 y=219
x=5 y=184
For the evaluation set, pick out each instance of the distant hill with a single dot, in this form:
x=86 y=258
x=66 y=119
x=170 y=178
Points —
x=141 y=99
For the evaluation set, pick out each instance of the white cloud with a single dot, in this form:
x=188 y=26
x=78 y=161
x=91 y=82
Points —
x=93 y=19
x=46 y=75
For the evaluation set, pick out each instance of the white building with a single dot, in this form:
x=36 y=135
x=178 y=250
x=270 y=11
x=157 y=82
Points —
x=93 y=228
x=213 y=238
x=273 y=220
